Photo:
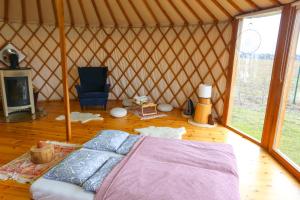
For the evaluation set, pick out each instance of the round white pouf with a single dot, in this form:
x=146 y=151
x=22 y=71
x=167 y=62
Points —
x=165 y=107
x=118 y=112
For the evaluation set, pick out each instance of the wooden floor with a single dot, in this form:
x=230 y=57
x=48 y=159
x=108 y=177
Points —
x=261 y=177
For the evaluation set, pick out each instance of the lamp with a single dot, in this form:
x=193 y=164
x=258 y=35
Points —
x=203 y=107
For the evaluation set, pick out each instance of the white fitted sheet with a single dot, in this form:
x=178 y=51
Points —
x=45 y=189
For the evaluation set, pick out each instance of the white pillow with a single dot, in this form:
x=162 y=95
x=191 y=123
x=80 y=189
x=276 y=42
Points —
x=118 y=112
x=165 y=107
x=162 y=132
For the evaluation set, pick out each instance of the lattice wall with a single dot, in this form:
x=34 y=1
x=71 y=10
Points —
x=166 y=63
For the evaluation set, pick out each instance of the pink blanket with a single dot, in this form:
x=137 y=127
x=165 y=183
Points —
x=164 y=169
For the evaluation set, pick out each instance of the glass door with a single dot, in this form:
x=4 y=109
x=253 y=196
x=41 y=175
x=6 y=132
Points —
x=253 y=70
x=287 y=141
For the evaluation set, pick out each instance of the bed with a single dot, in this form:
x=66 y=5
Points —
x=158 y=168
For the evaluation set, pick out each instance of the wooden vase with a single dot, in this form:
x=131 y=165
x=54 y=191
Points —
x=202 y=113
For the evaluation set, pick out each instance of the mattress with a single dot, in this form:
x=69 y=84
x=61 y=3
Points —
x=46 y=189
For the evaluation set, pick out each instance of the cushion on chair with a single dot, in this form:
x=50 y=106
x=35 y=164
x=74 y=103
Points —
x=93 y=95
x=165 y=107
x=92 y=78
x=118 y=112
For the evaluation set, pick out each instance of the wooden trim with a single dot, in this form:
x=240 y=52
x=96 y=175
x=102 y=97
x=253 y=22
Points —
x=60 y=16
x=278 y=74
x=243 y=134
x=286 y=163
x=260 y=12
x=231 y=72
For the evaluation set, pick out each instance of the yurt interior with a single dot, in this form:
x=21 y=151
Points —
x=150 y=99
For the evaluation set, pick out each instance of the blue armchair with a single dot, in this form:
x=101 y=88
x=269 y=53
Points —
x=93 y=89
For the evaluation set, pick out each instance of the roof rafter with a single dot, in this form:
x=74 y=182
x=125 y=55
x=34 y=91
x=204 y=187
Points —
x=253 y=4
x=235 y=6
x=207 y=10
x=192 y=10
x=110 y=12
x=151 y=12
x=54 y=11
x=177 y=10
x=165 y=13
x=222 y=9
x=24 y=16
x=39 y=11
x=83 y=12
x=124 y=12
x=97 y=13
x=6 y=7
x=137 y=12
x=70 y=12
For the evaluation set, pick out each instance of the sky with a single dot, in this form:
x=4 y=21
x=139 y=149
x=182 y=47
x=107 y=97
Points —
x=259 y=35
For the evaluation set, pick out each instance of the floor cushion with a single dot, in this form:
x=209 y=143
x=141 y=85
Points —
x=118 y=112
x=165 y=107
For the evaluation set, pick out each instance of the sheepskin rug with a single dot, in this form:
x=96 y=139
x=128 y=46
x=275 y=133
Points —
x=162 y=132
x=81 y=117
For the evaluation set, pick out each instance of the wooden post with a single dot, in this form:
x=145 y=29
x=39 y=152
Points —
x=62 y=43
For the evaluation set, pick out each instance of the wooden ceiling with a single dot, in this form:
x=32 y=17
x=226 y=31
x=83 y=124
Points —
x=135 y=13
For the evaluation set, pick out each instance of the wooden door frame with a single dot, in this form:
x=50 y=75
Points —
x=276 y=91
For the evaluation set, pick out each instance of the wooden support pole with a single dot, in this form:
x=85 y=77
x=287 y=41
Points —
x=62 y=43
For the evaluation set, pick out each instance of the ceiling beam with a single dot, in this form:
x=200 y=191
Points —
x=111 y=13
x=253 y=4
x=39 y=11
x=151 y=12
x=24 y=17
x=222 y=9
x=55 y=12
x=83 y=13
x=6 y=7
x=235 y=6
x=179 y=13
x=165 y=13
x=192 y=11
x=97 y=13
x=137 y=12
x=200 y=3
x=124 y=12
x=70 y=12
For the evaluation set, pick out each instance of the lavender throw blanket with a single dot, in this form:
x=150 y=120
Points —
x=167 y=169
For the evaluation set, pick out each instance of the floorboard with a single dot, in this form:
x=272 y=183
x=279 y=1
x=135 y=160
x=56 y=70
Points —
x=261 y=177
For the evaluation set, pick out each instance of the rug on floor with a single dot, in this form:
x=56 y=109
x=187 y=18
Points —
x=162 y=132
x=82 y=117
x=23 y=170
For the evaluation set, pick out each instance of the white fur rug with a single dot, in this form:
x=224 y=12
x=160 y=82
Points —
x=82 y=117
x=162 y=132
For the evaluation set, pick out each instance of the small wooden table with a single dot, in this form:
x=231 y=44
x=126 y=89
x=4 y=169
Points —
x=149 y=109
